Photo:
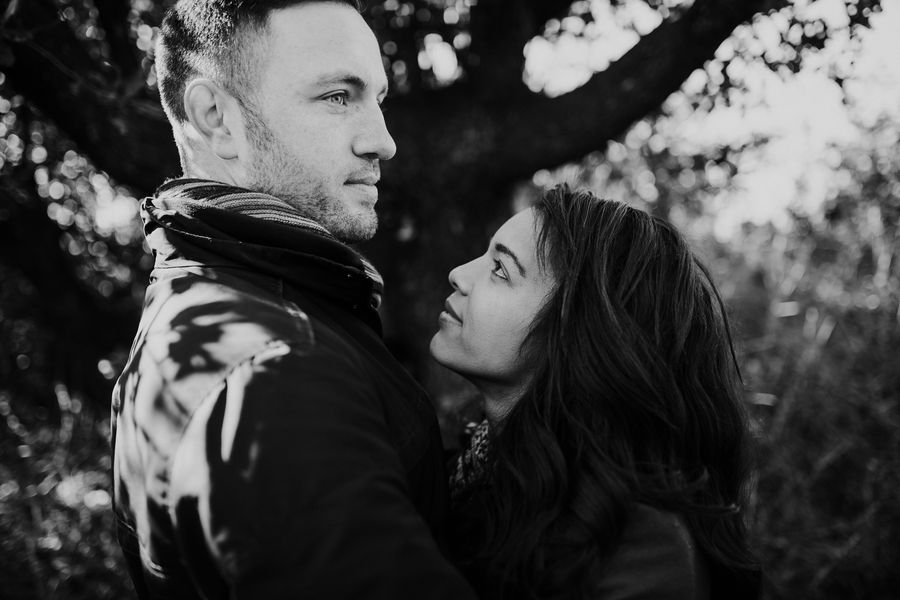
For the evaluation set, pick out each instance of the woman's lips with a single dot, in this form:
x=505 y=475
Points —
x=450 y=313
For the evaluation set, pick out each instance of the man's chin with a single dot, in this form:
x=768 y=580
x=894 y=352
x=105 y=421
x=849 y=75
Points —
x=356 y=228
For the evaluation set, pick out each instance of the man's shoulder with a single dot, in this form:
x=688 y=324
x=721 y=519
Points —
x=196 y=327
x=201 y=324
x=200 y=335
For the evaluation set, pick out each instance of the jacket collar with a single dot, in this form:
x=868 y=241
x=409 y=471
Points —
x=221 y=225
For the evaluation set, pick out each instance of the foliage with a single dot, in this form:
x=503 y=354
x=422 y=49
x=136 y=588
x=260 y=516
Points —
x=823 y=368
x=56 y=528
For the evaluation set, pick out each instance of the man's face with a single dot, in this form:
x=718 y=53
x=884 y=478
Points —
x=315 y=128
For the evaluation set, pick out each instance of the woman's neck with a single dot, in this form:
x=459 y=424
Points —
x=499 y=399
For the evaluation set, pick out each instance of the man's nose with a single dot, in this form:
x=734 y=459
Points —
x=374 y=140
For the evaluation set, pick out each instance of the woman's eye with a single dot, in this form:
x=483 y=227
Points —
x=498 y=270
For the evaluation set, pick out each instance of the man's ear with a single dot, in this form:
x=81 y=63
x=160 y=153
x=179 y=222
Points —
x=214 y=115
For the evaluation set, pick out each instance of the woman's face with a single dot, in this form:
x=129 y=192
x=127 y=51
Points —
x=489 y=314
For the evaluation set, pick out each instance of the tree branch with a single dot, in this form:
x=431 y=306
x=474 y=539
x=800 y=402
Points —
x=487 y=143
x=500 y=29
x=546 y=132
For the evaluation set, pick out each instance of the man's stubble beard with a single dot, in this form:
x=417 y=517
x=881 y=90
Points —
x=267 y=173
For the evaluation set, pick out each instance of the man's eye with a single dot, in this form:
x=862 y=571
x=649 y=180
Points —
x=339 y=98
x=498 y=270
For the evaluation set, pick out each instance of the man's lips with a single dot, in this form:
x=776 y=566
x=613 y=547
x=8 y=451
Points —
x=364 y=183
x=367 y=178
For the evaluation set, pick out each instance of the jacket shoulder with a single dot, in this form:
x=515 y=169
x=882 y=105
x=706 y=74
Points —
x=656 y=558
x=197 y=328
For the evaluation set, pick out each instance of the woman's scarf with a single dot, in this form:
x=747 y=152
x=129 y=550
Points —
x=471 y=464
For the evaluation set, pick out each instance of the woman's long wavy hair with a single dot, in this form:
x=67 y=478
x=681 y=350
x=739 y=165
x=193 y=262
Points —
x=636 y=397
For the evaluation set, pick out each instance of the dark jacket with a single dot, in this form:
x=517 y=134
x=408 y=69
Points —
x=655 y=556
x=655 y=559
x=266 y=443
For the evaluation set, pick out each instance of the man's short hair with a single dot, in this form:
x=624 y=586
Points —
x=208 y=38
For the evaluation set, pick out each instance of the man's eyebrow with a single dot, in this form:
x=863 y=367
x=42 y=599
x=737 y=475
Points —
x=512 y=255
x=341 y=77
x=346 y=79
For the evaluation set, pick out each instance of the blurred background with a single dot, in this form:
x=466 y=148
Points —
x=767 y=130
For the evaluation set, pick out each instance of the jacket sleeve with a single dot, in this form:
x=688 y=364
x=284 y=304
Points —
x=286 y=485
x=656 y=559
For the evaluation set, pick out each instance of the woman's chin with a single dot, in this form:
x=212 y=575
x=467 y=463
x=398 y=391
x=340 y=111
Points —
x=434 y=348
x=442 y=355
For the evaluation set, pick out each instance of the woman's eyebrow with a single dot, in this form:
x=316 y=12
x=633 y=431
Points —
x=498 y=247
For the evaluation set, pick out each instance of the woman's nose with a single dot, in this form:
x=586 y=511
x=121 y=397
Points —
x=459 y=279
x=454 y=278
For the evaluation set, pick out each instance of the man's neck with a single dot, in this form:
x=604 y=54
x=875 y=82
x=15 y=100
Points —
x=199 y=162
x=194 y=169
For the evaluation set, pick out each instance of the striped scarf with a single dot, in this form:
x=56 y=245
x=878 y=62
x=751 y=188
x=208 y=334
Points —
x=198 y=194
